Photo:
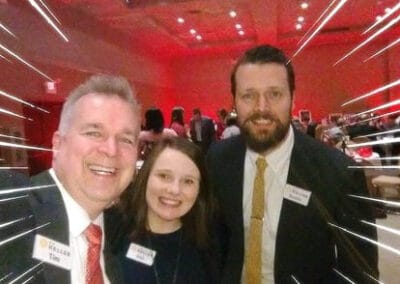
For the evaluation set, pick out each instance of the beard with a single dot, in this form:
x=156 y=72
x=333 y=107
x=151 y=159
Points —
x=263 y=140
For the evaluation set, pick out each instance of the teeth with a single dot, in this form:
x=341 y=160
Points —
x=102 y=170
x=262 y=121
x=168 y=201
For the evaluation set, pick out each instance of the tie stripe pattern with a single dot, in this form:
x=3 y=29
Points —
x=93 y=270
x=253 y=258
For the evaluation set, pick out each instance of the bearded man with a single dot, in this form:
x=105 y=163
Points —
x=286 y=200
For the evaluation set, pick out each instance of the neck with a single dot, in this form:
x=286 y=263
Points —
x=164 y=227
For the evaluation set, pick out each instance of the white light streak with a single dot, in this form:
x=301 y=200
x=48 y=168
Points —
x=380 y=244
x=5 y=58
x=373 y=278
x=295 y=280
x=383 y=49
x=7 y=30
x=16 y=56
x=13 y=145
x=7 y=112
x=5 y=277
x=374 y=167
x=396 y=102
x=26 y=272
x=384 y=228
x=22 y=189
x=378 y=116
x=50 y=12
x=344 y=276
x=319 y=18
x=379 y=142
x=378 y=32
x=17 y=99
x=13 y=198
x=13 y=137
x=381 y=133
x=4 y=225
x=14 y=168
x=333 y=12
x=386 y=202
x=381 y=19
x=22 y=234
x=373 y=92
x=48 y=20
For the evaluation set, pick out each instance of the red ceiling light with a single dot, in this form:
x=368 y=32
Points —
x=304 y=5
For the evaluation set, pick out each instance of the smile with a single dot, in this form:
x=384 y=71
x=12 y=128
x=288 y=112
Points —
x=169 y=201
x=101 y=170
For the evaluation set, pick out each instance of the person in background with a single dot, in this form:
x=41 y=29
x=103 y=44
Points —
x=231 y=126
x=177 y=122
x=202 y=130
x=94 y=156
x=168 y=212
x=153 y=131
x=285 y=199
x=220 y=124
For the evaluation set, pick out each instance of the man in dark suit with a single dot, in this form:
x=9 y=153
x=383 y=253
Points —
x=307 y=231
x=94 y=156
x=202 y=130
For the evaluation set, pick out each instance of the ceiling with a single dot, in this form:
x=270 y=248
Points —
x=153 y=23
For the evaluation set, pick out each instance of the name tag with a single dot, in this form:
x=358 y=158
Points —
x=297 y=194
x=52 y=252
x=141 y=254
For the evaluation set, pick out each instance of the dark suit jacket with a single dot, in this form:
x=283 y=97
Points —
x=207 y=133
x=47 y=206
x=305 y=243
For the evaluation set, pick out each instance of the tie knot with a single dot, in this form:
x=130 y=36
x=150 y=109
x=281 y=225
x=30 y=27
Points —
x=93 y=234
x=261 y=164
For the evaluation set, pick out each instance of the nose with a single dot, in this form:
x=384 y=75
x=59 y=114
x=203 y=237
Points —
x=262 y=103
x=174 y=187
x=109 y=147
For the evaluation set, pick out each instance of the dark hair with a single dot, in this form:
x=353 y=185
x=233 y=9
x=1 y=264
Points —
x=196 y=222
x=196 y=111
x=264 y=54
x=154 y=120
x=177 y=115
x=231 y=120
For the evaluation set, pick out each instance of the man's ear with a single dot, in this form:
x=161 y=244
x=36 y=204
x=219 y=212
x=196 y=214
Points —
x=56 y=142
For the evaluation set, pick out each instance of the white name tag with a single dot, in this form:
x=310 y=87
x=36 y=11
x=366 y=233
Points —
x=52 y=252
x=141 y=254
x=297 y=194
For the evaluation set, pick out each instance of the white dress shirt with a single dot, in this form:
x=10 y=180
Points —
x=78 y=221
x=275 y=177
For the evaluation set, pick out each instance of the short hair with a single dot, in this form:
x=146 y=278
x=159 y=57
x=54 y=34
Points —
x=196 y=222
x=154 y=120
x=100 y=84
x=264 y=54
x=196 y=111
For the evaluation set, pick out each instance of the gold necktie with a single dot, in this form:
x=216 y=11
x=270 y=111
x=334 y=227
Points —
x=254 y=240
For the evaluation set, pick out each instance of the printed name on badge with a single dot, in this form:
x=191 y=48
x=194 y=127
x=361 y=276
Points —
x=297 y=194
x=141 y=254
x=52 y=252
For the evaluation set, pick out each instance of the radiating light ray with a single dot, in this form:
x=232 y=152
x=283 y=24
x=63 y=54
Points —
x=378 y=32
x=315 y=23
x=374 y=167
x=344 y=276
x=48 y=20
x=384 y=228
x=323 y=23
x=13 y=145
x=383 y=49
x=381 y=133
x=384 y=158
x=378 y=116
x=13 y=198
x=50 y=12
x=14 y=168
x=379 y=142
x=7 y=112
x=373 y=92
x=22 y=234
x=386 y=202
x=295 y=280
x=4 y=225
x=7 y=30
x=13 y=137
x=373 y=278
x=5 y=277
x=379 y=244
x=14 y=98
x=25 y=273
x=5 y=58
x=396 y=102
x=384 y=17
x=20 y=59
x=22 y=189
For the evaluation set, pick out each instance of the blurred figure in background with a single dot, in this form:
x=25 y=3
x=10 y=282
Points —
x=202 y=130
x=231 y=126
x=177 y=122
x=153 y=131
x=220 y=124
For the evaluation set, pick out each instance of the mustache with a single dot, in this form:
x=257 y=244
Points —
x=261 y=115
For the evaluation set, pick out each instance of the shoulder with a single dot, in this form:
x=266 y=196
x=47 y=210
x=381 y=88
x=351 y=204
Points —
x=169 y=132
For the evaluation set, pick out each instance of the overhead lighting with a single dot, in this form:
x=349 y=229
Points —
x=304 y=5
x=181 y=20
x=232 y=14
x=238 y=26
x=300 y=19
x=378 y=18
x=298 y=26
x=387 y=10
x=241 y=32
x=192 y=31
x=198 y=37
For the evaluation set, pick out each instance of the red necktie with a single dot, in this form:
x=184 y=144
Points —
x=93 y=269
